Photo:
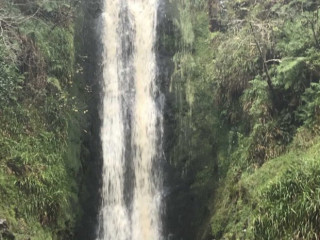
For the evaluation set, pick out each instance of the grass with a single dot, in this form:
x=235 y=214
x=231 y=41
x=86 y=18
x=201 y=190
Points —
x=280 y=200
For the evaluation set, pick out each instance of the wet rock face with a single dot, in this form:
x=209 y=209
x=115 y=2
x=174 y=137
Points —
x=4 y=231
x=92 y=165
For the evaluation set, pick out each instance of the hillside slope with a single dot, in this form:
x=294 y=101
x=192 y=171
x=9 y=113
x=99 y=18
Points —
x=244 y=109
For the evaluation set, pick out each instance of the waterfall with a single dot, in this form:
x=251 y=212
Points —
x=131 y=131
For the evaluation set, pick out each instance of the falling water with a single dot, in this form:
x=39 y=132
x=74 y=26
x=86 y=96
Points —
x=131 y=122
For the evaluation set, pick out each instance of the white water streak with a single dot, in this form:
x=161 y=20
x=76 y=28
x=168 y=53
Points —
x=114 y=212
x=145 y=216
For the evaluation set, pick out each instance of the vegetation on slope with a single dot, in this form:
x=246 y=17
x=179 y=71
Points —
x=246 y=110
x=41 y=119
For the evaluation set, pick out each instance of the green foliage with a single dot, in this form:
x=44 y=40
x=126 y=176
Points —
x=234 y=66
x=185 y=25
x=289 y=205
x=309 y=112
x=256 y=101
x=41 y=119
x=59 y=56
x=10 y=81
x=294 y=38
x=291 y=74
x=192 y=95
x=36 y=162
x=231 y=211
x=246 y=102
x=267 y=141
x=277 y=201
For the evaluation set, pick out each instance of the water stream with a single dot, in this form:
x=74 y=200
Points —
x=131 y=123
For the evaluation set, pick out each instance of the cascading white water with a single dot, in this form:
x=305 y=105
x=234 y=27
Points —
x=131 y=122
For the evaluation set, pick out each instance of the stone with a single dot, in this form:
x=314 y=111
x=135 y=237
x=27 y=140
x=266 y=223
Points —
x=3 y=224
x=8 y=235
